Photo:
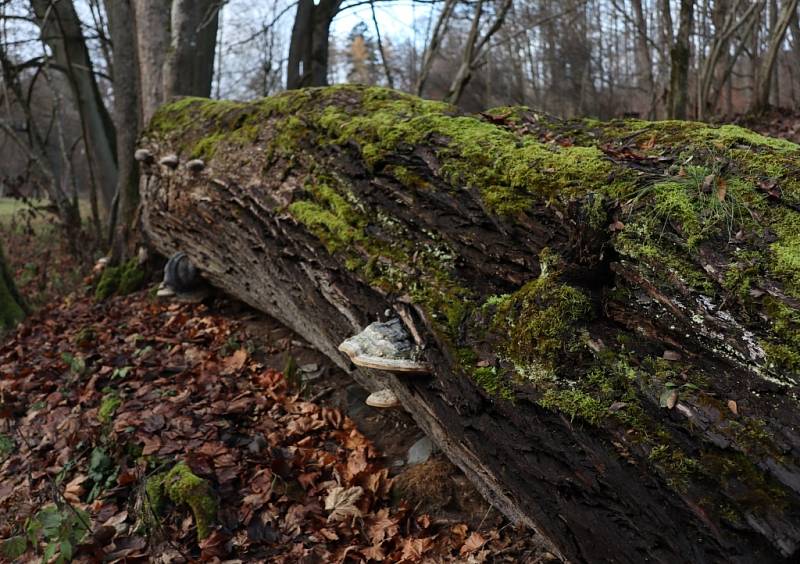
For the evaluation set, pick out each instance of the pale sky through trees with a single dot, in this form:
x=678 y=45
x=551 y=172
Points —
x=395 y=19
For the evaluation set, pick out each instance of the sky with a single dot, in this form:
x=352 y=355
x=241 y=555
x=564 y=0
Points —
x=394 y=18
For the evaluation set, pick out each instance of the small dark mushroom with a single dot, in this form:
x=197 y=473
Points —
x=195 y=165
x=170 y=161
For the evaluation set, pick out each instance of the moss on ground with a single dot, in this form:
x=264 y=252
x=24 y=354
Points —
x=182 y=487
x=120 y=280
x=108 y=406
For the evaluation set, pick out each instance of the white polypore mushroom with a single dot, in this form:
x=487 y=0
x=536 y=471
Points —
x=385 y=346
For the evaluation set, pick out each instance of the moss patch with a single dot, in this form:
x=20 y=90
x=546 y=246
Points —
x=540 y=320
x=119 y=280
x=108 y=406
x=181 y=486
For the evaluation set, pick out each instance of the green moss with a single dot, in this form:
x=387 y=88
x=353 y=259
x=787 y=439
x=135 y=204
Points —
x=108 y=406
x=540 y=320
x=678 y=468
x=329 y=216
x=120 y=280
x=6 y=447
x=494 y=384
x=511 y=173
x=181 y=486
x=575 y=403
x=783 y=351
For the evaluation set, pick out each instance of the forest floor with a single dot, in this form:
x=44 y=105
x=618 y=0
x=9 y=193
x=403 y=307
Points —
x=234 y=423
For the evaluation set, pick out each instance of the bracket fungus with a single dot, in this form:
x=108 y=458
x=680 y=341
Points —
x=195 y=165
x=143 y=156
x=385 y=346
x=170 y=161
x=383 y=399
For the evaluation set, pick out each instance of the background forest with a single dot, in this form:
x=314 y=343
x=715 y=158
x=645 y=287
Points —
x=78 y=80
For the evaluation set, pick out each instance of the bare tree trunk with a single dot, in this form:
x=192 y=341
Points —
x=432 y=48
x=386 y=68
x=760 y=101
x=189 y=65
x=680 y=55
x=727 y=25
x=795 y=27
x=309 y=44
x=61 y=30
x=34 y=146
x=474 y=49
x=152 y=26
x=643 y=59
x=127 y=112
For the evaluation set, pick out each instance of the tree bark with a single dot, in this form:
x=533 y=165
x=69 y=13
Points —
x=127 y=112
x=12 y=306
x=189 y=64
x=152 y=44
x=309 y=44
x=612 y=336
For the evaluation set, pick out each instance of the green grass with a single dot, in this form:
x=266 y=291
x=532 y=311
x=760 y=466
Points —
x=11 y=207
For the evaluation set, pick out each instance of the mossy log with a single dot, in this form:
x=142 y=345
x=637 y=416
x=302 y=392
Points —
x=611 y=310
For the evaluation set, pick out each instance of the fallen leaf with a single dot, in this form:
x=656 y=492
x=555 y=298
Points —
x=74 y=489
x=235 y=362
x=733 y=407
x=473 y=543
x=722 y=189
x=669 y=398
x=341 y=503
x=373 y=553
x=414 y=549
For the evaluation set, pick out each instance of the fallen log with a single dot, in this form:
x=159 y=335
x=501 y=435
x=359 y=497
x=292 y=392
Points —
x=611 y=310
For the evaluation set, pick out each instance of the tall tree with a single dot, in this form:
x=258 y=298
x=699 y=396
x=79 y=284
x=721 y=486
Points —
x=760 y=100
x=176 y=41
x=474 y=48
x=127 y=113
x=680 y=56
x=727 y=23
x=433 y=45
x=644 y=62
x=61 y=30
x=309 y=44
x=189 y=65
